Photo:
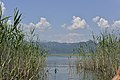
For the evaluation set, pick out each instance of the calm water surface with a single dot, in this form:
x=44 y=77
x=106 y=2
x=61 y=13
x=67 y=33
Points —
x=64 y=68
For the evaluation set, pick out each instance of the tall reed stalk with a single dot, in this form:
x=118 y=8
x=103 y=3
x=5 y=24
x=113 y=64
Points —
x=19 y=59
x=106 y=58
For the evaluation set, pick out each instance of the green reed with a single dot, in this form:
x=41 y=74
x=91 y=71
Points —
x=19 y=59
x=105 y=59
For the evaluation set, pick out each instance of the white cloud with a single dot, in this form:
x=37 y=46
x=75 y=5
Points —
x=101 y=22
x=116 y=24
x=2 y=6
x=96 y=18
x=77 y=23
x=31 y=25
x=42 y=25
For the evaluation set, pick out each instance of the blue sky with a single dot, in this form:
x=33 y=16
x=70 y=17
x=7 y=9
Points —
x=66 y=20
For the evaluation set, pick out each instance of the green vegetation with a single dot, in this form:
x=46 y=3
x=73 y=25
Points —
x=105 y=60
x=19 y=59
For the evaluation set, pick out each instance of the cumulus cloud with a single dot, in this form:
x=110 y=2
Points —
x=42 y=25
x=96 y=18
x=116 y=24
x=101 y=22
x=77 y=23
x=2 y=7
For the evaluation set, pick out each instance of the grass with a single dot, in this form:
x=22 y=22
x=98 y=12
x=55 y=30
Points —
x=19 y=59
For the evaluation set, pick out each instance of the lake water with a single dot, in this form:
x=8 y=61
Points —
x=64 y=68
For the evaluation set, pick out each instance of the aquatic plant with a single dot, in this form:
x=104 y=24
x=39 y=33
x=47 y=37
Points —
x=105 y=60
x=19 y=59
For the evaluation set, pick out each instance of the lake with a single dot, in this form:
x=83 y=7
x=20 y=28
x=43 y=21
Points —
x=64 y=68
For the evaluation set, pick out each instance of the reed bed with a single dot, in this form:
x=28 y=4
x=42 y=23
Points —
x=19 y=59
x=105 y=60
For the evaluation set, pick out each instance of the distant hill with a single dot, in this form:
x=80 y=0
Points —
x=59 y=48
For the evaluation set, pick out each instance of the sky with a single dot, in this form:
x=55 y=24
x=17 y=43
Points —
x=66 y=21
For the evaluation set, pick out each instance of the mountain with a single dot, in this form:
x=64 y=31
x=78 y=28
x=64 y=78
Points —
x=59 y=48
